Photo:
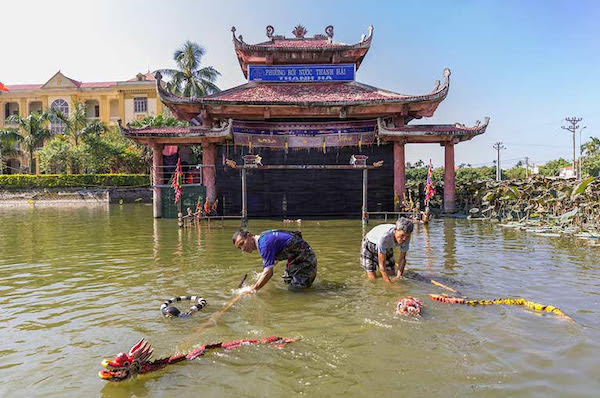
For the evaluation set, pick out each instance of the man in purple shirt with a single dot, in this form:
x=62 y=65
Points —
x=277 y=245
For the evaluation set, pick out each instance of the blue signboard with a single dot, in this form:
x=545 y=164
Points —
x=301 y=73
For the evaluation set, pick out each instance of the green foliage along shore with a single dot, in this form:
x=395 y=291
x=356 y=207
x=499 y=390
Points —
x=26 y=181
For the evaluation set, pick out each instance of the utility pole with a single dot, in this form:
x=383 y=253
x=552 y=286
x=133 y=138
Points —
x=526 y=167
x=498 y=146
x=573 y=128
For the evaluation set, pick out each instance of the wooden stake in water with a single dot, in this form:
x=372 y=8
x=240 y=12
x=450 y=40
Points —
x=434 y=282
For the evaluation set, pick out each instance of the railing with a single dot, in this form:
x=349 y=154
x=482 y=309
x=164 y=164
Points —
x=419 y=215
x=192 y=175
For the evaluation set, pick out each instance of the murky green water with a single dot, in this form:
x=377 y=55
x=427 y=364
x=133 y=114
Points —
x=81 y=284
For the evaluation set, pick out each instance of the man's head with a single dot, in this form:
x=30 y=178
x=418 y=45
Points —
x=244 y=240
x=403 y=229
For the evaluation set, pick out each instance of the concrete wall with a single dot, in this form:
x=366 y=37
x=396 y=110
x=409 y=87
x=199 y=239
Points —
x=68 y=196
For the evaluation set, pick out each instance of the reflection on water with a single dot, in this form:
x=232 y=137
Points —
x=79 y=285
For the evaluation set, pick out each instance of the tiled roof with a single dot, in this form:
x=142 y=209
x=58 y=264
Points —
x=305 y=94
x=148 y=76
x=301 y=43
x=457 y=130
x=13 y=87
x=176 y=131
x=277 y=93
x=16 y=87
x=98 y=84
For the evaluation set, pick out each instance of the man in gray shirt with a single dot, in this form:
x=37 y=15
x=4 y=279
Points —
x=377 y=250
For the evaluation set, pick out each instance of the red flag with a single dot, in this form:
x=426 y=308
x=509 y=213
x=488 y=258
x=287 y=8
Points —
x=429 y=188
x=177 y=180
x=214 y=205
x=206 y=207
x=3 y=87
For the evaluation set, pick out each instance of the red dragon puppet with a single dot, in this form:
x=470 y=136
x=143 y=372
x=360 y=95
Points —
x=137 y=360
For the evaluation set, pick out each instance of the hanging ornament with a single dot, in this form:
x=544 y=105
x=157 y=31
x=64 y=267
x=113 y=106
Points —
x=250 y=144
x=324 y=149
x=360 y=144
x=286 y=146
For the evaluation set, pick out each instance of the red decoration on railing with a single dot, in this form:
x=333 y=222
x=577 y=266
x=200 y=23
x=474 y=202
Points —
x=177 y=181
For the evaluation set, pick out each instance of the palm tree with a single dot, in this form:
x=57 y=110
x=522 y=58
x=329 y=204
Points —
x=33 y=130
x=591 y=147
x=77 y=124
x=8 y=139
x=191 y=80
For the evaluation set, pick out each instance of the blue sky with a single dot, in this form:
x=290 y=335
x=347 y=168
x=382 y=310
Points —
x=526 y=64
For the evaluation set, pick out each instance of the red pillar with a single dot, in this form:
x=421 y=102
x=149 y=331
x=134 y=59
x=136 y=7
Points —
x=157 y=176
x=399 y=173
x=449 y=178
x=209 y=154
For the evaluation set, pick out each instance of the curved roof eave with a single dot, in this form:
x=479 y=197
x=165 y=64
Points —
x=439 y=93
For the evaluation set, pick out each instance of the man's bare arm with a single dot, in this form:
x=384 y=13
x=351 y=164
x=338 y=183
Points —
x=381 y=260
x=401 y=264
x=264 y=278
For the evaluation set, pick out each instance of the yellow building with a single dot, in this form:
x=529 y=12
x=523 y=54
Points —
x=106 y=101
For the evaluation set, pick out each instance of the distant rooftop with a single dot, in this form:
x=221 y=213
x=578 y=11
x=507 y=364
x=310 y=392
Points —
x=59 y=80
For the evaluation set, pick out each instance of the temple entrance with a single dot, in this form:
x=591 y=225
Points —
x=295 y=193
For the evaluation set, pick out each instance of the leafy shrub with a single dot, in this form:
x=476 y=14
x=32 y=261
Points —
x=73 y=180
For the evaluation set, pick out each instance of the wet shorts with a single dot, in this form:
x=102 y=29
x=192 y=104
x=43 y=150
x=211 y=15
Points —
x=301 y=268
x=369 y=261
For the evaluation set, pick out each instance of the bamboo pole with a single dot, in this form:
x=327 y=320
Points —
x=217 y=315
x=436 y=283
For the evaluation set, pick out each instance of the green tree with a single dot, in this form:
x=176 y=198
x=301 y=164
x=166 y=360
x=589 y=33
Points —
x=77 y=124
x=553 y=168
x=591 y=147
x=33 y=130
x=515 y=173
x=111 y=152
x=591 y=165
x=190 y=79
x=157 y=121
x=57 y=155
x=8 y=139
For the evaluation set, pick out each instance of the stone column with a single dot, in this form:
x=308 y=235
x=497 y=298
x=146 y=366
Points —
x=209 y=154
x=157 y=176
x=45 y=103
x=122 y=108
x=399 y=174
x=159 y=106
x=449 y=178
x=23 y=111
x=104 y=109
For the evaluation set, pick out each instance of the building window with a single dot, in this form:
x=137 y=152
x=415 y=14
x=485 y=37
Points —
x=140 y=105
x=57 y=126
x=96 y=110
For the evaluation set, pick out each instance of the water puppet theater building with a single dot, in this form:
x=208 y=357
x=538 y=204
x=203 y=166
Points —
x=303 y=106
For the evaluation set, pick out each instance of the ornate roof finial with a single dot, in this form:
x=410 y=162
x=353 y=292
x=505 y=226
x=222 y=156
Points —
x=299 y=31
x=329 y=31
x=158 y=75
x=270 y=31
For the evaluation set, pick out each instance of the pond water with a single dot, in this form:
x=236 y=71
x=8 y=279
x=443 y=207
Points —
x=78 y=285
